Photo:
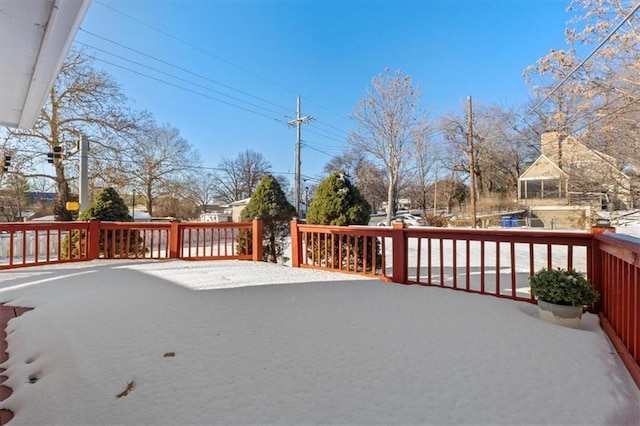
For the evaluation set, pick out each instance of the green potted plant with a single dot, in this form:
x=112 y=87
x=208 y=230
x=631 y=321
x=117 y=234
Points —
x=562 y=295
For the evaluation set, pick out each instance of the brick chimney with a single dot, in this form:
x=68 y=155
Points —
x=551 y=146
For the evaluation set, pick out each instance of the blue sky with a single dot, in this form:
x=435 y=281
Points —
x=259 y=55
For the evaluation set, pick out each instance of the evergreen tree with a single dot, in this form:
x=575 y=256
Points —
x=269 y=203
x=338 y=202
x=107 y=206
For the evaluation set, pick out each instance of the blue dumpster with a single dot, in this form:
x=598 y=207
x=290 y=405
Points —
x=515 y=222
x=506 y=221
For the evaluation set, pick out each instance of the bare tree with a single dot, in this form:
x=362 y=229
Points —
x=202 y=190
x=426 y=157
x=83 y=100
x=368 y=177
x=384 y=120
x=450 y=192
x=502 y=149
x=285 y=185
x=237 y=178
x=156 y=160
x=565 y=108
x=42 y=188
x=347 y=162
x=175 y=201
x=455 y=131
x=13 y=195
x=601 y=101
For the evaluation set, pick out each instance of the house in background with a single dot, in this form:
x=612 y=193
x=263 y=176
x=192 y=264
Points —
x=401 y=204
x=569 y=181
x=140 y=215
x=569 y=173
x=234 y=209
x=216 y=217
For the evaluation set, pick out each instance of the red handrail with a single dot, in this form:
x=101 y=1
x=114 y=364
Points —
x=497 y=262
x=618 y=260
x=34 y=243
x=27 y=244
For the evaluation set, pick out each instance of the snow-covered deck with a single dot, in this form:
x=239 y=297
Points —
x=324 y=348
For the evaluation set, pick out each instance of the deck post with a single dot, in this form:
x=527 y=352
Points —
x=258 y=230
x=400 y=248
x=295 y=244
x=595 y=272
x=93 y=239
x=175 y=240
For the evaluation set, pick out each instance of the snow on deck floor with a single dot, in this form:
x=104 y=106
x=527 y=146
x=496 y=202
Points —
x=328 y=348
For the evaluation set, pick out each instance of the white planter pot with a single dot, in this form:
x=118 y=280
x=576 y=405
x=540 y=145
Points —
x=568 y=316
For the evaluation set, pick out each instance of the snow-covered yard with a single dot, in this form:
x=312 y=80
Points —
x=257 y=343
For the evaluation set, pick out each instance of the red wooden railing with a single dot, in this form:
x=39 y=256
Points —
x=617 y=261
x=32 y=243
x=29 y=244
x=497 y=262
x=492 y=262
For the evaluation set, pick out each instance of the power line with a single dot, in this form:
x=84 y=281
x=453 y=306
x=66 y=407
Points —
x=199 y=49
x=188 y=166
x=193 y=46
x=320 y=122
x=589 y=123
x=602 y=43
x=188 y=90
x=320 y=151
x=325 y=136
x=182 y=69
x=176 y=77
x=330 y=132
x=311 y=178
x=330 y=110
x=324 y=146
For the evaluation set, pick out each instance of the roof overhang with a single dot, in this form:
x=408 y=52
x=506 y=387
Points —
x=35 y=37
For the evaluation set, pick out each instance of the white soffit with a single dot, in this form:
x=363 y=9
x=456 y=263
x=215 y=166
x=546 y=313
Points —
x=35 y=37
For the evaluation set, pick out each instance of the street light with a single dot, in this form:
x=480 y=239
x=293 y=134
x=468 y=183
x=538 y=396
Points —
x=306 y=201
x=133 y=206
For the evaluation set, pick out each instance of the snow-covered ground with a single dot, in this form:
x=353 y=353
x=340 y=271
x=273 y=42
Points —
x=629 y=228
x=325 y=348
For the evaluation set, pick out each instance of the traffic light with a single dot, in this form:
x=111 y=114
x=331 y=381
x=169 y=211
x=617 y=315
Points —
x=57 y=153
x=6 y=162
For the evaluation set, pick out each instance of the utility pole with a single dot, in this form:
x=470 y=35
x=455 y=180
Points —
x=83 y=149
x=298 y=122
x=472 y=166
x=435 y=192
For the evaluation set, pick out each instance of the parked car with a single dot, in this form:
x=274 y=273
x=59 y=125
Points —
x=408 y=218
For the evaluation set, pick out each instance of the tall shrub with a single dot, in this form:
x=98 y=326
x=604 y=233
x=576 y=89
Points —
x=269 y=203
x=108 y=206
x=339 y=202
